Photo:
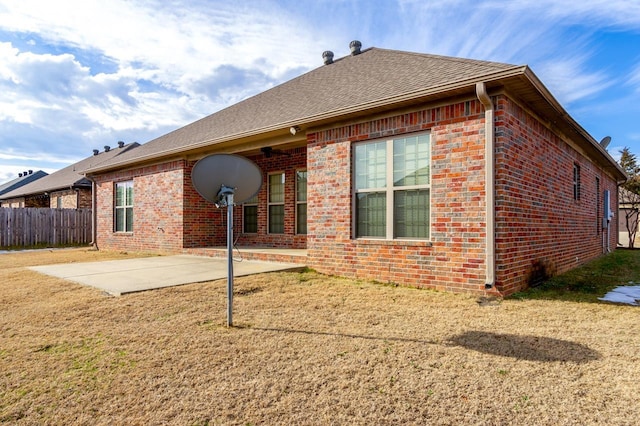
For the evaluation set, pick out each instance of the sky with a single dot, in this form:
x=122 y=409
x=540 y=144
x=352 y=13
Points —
x=76 y=75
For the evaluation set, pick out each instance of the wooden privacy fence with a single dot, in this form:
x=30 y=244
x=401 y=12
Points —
x=27 y=227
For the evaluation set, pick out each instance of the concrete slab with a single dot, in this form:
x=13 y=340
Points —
x=118 y=277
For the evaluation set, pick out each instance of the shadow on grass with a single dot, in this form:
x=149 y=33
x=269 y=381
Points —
x=530 y=348
x=351 y=336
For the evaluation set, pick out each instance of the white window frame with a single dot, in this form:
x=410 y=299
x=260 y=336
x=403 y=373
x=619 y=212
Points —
x=301 y=202
x=278 y=203
x=125 y=206
x=390 y=190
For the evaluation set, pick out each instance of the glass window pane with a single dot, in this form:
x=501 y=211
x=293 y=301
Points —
x=250 y=219
x=301 y=185
x=129 y=213
x=411 y=214
x=411 y=158
x=371 y=217
x=276 y=219
x=370 y=165
x=276 y=188
x=119 y=194
x=129 y=186
x=301 y=214
x=119 y=220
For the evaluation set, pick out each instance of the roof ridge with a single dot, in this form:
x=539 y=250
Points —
x=445 y=57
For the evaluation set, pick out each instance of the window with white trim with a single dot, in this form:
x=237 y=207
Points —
x=276 y=203
x=301 y=201
x=392 y=186
x=250 y=215
x=123 y=217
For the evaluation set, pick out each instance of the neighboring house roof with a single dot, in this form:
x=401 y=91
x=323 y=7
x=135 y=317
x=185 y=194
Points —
x=375 y=80
x=69 y=177
x=23 y=179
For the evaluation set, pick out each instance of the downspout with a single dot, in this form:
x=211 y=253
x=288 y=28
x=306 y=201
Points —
x=489 y=149
x=94 y=217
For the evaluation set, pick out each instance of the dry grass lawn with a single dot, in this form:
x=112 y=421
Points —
x=307 y=350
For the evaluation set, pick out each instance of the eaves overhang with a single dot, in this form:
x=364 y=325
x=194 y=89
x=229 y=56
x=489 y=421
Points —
x=530 y=90
x=518 y=80
x=281 y=129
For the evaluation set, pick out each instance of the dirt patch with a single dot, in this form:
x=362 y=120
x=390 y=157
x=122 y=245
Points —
x=307 y=349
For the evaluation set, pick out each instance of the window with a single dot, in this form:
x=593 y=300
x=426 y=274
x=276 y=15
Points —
x=276 y=203
x=598 y=224
x=58 y=202
x=576 y=182
x=392 y=188
x=301 y=201
x=250 y=215
x=124 y=207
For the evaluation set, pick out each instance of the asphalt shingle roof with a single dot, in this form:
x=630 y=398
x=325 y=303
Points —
x=352 y=83
x=69 y=176
x=374 y=80
x=21 y=181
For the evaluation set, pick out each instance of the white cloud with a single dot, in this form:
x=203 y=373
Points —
x=91 y=72
x=167 y=64
x=9 y=172
x=569 y=80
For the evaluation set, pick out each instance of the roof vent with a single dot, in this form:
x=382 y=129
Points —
x=120 y=144
x=327 y=56
x=30 y=172
x=96 y=151
x=19 y=174
x=107 y=148
x=24 y=173
x=355 y=46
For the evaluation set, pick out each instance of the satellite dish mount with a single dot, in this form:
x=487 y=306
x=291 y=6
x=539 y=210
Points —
x=225 y=196
x=226 y=179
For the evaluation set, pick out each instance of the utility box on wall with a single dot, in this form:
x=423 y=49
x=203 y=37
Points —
x=608 y=213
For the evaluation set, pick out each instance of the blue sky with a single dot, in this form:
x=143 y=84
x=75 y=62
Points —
x=81 y=74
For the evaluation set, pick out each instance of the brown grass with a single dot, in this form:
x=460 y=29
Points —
x=306 y=349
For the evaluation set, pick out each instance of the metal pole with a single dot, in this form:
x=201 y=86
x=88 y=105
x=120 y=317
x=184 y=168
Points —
x=230 y=260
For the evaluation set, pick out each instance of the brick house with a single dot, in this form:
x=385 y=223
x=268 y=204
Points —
x=422 y=170
x=67 y=188
x=23 y=179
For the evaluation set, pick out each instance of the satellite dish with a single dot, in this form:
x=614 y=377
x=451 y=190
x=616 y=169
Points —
x=226 y=179
x=605 y=141
x=210 y=174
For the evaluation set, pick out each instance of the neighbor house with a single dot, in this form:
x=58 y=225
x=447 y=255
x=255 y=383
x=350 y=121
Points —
x=628 y=205
x=23 y=179
x=67 y=188
x=416 y=169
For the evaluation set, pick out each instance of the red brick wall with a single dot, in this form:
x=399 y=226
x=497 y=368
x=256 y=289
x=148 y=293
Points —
x=454 y=258
x=288 y=162
x=206 y=226
x=170 y=215
x=158 y=202
x=540 y=228
x=71 y=199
